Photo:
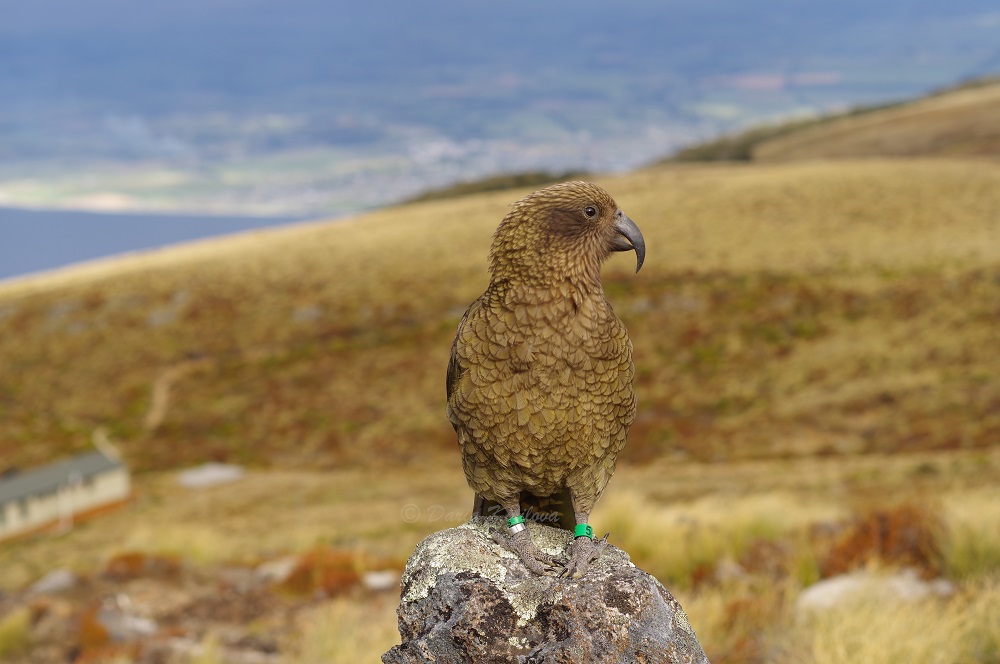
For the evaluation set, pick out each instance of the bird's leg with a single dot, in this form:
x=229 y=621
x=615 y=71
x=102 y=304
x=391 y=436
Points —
x=519 y=541
x=585 y=549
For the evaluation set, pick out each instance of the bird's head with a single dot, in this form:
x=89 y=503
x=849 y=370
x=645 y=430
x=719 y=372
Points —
x=562 y=232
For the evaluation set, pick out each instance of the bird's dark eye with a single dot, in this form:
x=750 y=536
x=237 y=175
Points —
x=590 y=211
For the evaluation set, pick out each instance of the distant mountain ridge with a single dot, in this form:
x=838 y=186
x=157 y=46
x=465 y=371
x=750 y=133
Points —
x=960 y=121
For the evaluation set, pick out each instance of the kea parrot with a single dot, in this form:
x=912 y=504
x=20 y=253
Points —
x=540 y=378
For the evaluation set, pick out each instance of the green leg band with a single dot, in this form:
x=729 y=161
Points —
x=516 y=525
x=583 y=530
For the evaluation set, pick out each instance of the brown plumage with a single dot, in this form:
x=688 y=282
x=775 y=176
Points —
x=540 y=377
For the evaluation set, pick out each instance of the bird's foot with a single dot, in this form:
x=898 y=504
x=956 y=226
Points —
x=537 y=561
x=583 y=552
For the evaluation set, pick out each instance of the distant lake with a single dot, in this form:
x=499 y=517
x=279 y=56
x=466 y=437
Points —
x=37 y=240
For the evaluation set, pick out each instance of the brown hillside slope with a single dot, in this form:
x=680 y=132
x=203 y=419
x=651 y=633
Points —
x=783 y=310
x=965 y=121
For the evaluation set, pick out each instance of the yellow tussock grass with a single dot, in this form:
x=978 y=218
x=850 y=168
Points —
x=15 y=631
x=676 y=542
x=345 y=631
x=957 y=631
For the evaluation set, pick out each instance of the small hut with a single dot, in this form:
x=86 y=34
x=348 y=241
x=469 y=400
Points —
x=59 y=493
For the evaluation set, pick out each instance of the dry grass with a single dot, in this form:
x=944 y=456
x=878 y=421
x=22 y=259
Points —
x=958 y=121
x=957 y=631
x=961 y=122
x=15 y=631
x=822 y=308
x=683 y=543
x=735 y=542
x=263 y=516
x=209 y=651
x=747 y=538
x=346 y=631
x=813 y=342
x=972 y=544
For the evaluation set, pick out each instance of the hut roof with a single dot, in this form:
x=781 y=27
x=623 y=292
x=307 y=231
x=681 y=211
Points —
x=49 y=478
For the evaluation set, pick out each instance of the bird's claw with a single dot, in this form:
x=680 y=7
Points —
x=537 y=561
x=583 y=552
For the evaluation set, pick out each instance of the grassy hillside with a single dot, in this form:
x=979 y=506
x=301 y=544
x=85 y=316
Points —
x=818 y=365
x=503 y=182
x=782 y=311
x=963 y=121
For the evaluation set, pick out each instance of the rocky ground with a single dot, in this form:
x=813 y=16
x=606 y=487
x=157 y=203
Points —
x=160 y=609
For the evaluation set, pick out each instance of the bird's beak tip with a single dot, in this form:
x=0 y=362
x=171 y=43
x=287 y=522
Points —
x=629 y=238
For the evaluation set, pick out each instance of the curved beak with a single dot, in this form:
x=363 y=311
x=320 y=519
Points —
x=628 y=237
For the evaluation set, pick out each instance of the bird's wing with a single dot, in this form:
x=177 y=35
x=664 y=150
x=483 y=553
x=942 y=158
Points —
x=455 y=368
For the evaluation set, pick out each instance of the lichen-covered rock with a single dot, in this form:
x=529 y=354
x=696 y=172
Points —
x=467 y=599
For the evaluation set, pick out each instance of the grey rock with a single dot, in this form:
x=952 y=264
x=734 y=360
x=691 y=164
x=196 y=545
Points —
x=277 y=571
x=863 y=586
x=466 y=599
x=209 y=474
x=116 y=615
x=380 y=580
x=53 y=583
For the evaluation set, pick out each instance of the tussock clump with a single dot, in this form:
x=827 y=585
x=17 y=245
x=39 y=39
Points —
x=135 y=564
x=326 y=571
x=906 y=535
x=329 y=572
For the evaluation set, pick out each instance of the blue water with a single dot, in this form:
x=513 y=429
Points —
x=34 y=240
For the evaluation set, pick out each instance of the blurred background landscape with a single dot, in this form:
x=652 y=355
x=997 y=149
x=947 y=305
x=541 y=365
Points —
x=311 y=110
x=816 y=326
